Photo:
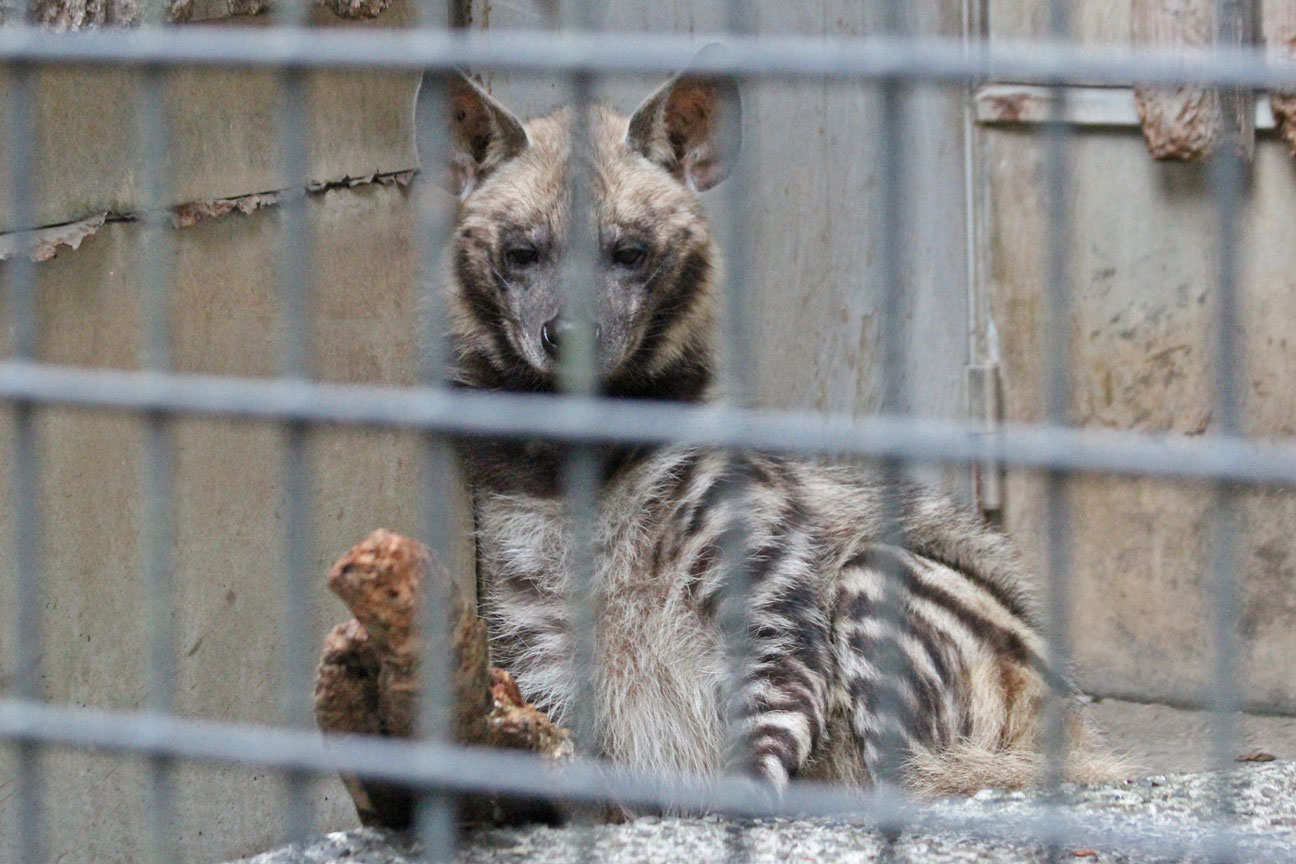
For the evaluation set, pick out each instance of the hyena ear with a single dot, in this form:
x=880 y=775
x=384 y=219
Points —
x=692 y=127
x=483 y=134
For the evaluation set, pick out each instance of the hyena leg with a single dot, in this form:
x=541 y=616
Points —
x=746 y=518
x=784 y=697
x=901 y=671
x=781 y=702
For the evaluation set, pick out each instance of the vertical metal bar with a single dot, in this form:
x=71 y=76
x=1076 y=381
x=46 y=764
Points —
x=578 y=376
x=1056 y=365
x=893 y=334
x=896 y=222
x=737 y=388
x=435 y=814
x=157 y=469
x=294 y=302
x=738 y=384
x=25 y=465
x=889 y=660
x=1227 y=176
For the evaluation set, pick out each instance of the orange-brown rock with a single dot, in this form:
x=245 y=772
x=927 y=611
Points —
x=368 y=679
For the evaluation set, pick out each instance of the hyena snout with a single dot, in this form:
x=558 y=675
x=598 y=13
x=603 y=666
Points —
x=559 y=329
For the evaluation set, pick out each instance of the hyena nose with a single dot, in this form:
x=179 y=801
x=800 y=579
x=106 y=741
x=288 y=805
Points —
x=552 y=333
x=555 y=330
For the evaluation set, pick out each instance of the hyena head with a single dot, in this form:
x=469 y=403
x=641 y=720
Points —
x=656 y=260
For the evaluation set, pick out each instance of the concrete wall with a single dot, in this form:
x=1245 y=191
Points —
x=228 y=504
x=1142 y=261
x=224 y=132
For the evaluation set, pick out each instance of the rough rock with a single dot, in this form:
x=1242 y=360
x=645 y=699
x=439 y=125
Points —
x=368 y=677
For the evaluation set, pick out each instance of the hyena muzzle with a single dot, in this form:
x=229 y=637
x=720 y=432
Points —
x=878 y=620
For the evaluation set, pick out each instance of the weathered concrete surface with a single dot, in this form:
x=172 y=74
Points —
x=1142 y=269
x=228 y=504
x=1164 y=740
x=223 y=133
x=1176 y=808
x=1093 y=21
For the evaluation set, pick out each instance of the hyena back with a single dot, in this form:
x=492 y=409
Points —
x=819 y=695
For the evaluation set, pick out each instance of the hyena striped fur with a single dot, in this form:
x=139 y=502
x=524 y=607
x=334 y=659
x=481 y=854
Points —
x=962 y=704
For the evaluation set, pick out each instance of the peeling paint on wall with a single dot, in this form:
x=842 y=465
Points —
x=185 y=215
x=85 y=14
x=42 y=244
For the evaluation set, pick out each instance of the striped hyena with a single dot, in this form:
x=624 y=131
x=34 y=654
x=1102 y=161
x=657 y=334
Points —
x=948 y=673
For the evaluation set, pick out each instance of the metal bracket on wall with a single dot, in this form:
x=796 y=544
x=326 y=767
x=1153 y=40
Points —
x=1005 y=104
x=985 y=409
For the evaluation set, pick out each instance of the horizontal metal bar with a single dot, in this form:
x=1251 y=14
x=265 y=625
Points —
x=880 y=57
x=603 y=421
x=1084 y=106
x=510 y=773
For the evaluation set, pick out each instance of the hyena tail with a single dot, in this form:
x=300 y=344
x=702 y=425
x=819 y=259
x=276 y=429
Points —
x=968 y=681
x=967 y=767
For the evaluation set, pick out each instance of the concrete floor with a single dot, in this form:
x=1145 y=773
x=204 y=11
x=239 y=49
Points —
x=1165 y=740
x=1148 y=821
x=1161 y=739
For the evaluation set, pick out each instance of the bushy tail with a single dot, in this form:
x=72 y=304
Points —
x=968 y=767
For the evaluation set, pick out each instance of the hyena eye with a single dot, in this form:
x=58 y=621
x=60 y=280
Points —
x=630 y=255
x=521 y=256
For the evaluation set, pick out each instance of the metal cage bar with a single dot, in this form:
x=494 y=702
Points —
x=293 y=294
x=466 y=770
x=1055 y=362
x=158 y=532
x=435 y=815
x=23 y=313
x=1226 y=176
x=876 y=58
x=580 y=419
